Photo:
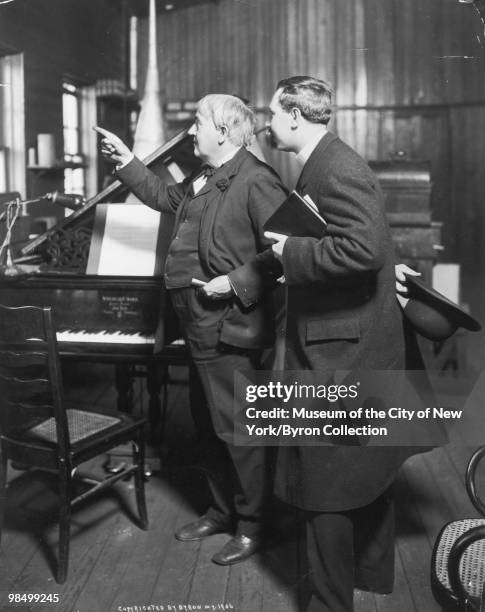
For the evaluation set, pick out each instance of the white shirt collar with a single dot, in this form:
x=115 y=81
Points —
x=227 y=158
x=308 y=149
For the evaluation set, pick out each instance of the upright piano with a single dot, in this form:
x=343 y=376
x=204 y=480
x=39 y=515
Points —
x=113 y=319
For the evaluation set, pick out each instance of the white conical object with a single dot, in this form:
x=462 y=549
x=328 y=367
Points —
x=150 y=133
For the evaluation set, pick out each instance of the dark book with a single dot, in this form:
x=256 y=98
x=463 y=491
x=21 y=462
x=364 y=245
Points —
x=297 y=217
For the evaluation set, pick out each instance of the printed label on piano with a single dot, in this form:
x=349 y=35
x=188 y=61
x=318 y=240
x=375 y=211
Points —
x=120 y=305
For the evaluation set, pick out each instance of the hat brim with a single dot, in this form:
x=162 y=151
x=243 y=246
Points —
x=432 y=314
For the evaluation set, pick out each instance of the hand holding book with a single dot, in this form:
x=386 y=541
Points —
x=279 y=244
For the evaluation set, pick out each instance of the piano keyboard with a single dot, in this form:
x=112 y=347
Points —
x=109 y=338
x=104 y=337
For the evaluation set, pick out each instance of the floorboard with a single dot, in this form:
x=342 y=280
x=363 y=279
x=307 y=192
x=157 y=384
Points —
x=283 y=573
x=115 y=565
x=150 y=548
x=413 y=547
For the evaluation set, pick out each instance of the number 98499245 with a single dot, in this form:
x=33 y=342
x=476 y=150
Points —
x=33 y=597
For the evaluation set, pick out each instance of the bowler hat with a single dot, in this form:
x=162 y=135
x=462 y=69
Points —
x=432 y=314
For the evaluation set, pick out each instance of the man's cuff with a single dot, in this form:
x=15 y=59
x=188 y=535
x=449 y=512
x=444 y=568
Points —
x=130 y=173
x=123 y=165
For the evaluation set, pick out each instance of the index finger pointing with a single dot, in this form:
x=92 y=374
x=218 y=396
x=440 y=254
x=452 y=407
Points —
x=274 y=236
x=107 y=134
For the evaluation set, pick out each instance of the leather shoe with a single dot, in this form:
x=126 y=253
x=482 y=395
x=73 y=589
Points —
x=238 y=548
x=200 y=529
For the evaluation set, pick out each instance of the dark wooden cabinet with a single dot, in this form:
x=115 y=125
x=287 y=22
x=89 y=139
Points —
x=407 y=191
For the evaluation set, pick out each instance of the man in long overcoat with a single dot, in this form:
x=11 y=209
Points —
x=342 y=314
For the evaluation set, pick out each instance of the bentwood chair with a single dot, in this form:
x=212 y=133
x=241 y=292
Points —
x=458 y=560
x=38 y=430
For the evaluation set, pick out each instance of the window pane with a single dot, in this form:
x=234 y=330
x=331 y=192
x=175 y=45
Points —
x=73 y=177
x=70 y=110
x=71 y=140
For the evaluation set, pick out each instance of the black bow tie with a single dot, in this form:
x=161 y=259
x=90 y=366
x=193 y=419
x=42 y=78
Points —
x=208 y=171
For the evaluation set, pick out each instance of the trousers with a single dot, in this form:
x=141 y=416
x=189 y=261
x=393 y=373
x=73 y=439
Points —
x=350 y=549
x=237 y=474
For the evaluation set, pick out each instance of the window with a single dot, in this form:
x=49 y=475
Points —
x=74 y=178
x=12 y=123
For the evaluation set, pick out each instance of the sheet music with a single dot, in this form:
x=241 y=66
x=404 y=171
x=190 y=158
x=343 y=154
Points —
x=124 y=241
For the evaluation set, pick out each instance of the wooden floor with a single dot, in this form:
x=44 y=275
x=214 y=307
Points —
x=114 y=566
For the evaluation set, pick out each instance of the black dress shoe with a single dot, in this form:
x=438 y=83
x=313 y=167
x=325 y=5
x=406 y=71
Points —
x=200 y=529
x=240 y=547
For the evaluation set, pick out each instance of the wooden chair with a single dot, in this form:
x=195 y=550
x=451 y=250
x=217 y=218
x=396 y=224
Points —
x=38 y=430
x=458 y=560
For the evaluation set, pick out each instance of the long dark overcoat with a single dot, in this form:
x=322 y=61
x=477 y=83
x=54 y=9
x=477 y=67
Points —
x=342 y=315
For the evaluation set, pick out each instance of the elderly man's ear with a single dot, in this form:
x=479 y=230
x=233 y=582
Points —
x=222 y=135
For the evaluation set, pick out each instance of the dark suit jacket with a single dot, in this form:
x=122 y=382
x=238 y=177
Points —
x=238 y=199
x=342 y=315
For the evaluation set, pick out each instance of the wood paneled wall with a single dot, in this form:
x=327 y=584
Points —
x=374 y=52
x=408 y=75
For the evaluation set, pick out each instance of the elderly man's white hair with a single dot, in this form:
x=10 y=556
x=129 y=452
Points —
x=231 y=113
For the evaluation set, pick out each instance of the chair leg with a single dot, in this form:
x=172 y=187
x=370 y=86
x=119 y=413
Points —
x=3 y=488
x=139 y=461
x=65 y=493
x=154 y=374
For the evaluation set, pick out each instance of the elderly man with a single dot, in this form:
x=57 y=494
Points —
x=342 y=315
x=227 y=322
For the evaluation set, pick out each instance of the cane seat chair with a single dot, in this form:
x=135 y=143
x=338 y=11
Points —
x=458 y=560
x=38 y=429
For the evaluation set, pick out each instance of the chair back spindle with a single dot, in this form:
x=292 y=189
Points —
x=30 y=375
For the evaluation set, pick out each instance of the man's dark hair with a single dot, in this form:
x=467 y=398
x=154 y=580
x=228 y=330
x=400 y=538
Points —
x=312 y=97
